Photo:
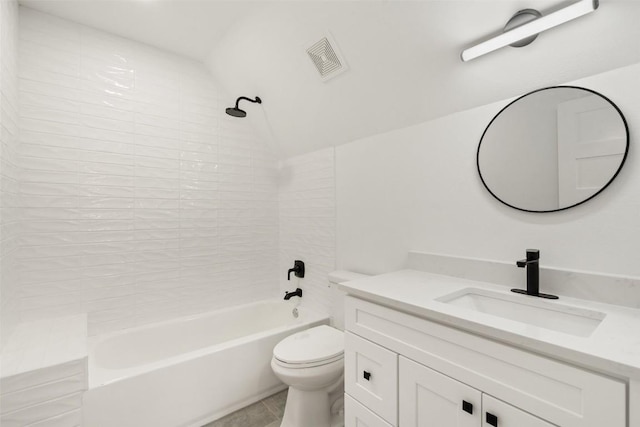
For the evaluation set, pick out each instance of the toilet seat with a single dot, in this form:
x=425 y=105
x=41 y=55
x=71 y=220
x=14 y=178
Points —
x=312 y=347
x=309 y=364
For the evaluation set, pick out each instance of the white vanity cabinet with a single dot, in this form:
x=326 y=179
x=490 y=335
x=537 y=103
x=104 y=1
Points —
x=403 y=370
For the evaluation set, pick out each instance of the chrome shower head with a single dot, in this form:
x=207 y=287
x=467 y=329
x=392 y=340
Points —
x=237 y=112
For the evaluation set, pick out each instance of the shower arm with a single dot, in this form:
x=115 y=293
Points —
x=255 y=101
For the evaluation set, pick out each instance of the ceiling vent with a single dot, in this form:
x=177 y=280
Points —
x=326 y=58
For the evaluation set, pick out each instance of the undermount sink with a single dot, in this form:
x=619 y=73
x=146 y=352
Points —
x=544 y=314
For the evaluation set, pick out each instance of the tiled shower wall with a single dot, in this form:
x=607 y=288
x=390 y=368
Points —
x=9 y=168
x=140 y=200
x=308 y=225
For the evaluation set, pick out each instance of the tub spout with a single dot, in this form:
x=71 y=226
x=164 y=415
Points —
x=296 y=293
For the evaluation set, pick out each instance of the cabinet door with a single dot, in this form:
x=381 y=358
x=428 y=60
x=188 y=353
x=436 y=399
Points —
x=499 y=414
x=371 y=376
x=356 y=415
x=430 y=399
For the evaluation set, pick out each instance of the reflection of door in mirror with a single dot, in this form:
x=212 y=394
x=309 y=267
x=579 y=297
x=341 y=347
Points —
x=591 y=145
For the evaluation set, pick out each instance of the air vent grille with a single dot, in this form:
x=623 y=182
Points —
x=326 y=58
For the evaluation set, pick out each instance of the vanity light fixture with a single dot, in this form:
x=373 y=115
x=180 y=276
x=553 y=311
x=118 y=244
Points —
x=513 y=35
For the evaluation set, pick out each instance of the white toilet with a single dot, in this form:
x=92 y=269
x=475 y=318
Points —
x=311 y=363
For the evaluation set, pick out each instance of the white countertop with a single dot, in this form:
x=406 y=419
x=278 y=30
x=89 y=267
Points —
x=613 y=348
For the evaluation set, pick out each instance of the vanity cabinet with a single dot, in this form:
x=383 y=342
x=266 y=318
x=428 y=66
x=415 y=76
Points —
x=403 y=370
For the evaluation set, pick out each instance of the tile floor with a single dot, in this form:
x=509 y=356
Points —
x=265 y=413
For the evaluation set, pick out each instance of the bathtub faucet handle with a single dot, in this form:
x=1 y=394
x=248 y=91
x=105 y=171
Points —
x=298 y=269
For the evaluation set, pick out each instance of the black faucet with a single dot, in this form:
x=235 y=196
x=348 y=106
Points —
x=296 y=293
x=532 y=264
x=298 y=269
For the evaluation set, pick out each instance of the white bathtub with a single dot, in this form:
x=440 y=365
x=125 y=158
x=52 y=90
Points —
x=188 y=371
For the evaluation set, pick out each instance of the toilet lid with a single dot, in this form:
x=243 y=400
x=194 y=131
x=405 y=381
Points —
x=311 y=345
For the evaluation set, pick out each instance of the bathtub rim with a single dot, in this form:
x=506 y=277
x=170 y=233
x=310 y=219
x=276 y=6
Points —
x=99 y=376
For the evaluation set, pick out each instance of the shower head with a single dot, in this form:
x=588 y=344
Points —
x=237 y=112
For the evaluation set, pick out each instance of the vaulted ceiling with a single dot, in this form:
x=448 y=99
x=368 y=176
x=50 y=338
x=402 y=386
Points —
x=402 y=56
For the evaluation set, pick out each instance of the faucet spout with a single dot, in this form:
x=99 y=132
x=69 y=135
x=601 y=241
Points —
x=523 y=263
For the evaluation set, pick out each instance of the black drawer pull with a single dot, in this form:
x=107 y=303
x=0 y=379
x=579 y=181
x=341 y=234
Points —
x=492 y=420
x=467 y=407
x=366 y=375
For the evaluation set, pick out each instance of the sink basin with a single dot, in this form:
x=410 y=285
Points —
x=543 y=314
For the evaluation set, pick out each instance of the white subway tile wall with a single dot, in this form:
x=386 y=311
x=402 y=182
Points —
x=9 y=167
x=140 y=199
x=308 y=225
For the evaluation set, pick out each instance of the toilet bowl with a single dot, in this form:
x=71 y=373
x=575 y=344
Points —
x=311 y=363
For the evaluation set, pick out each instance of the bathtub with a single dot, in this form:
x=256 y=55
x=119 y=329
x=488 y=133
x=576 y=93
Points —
x=189 y=371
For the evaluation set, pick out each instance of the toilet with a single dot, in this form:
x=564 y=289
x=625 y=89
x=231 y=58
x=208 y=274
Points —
x=311 y=363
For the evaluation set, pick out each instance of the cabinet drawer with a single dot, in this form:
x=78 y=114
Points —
x=356 y=415
x=563 y=394
x=371 y=376
x=498 y=413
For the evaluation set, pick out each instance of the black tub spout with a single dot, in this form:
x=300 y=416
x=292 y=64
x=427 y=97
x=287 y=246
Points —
x=296 y=293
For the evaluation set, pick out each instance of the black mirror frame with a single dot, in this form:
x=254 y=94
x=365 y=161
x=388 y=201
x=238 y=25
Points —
x=624 y=158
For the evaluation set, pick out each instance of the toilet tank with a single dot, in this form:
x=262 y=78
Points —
x=337 y=295
x=340 y=276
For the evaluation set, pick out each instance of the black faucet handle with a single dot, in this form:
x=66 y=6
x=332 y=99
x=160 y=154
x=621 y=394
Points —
x=298 y=269
x=533 y=254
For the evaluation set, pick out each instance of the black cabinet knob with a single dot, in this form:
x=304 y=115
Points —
x=492 y=420
x=467 y=407
x=366 y=375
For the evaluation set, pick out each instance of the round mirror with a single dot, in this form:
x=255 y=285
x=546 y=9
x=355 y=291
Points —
x=553 y=149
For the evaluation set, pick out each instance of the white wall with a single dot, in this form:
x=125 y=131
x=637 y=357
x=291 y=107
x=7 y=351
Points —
x=141 y=200
x=9 y=166
x=417 y=189
x=308 y=225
